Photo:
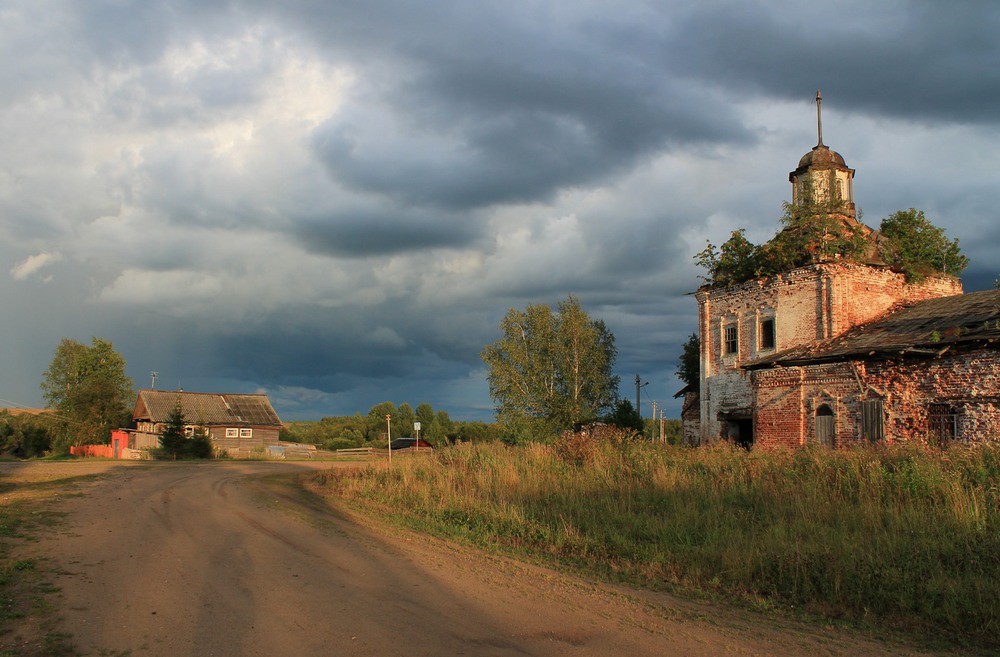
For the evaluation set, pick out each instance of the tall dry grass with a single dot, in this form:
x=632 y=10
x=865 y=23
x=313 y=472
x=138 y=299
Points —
x=901 y=536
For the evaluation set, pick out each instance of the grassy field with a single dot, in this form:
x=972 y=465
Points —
x=903 y=538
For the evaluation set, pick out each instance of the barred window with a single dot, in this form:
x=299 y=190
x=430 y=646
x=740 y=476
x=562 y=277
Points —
x=732 y=339
x=942 y=424
x=872 y=420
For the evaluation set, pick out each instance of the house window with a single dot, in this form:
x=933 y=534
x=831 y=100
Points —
x=872 y=421
x=189 y=431
x=942 y=424
x=232 y=433
x=246 y=433
x=732 y=339
x=767 y=333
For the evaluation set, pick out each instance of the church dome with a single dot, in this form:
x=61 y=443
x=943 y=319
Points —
x=821 y=155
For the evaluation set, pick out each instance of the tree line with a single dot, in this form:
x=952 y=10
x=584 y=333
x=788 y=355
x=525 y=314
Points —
x=550 y=371
x=347 y=431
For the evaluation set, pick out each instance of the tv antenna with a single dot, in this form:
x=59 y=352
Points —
x=153 y=375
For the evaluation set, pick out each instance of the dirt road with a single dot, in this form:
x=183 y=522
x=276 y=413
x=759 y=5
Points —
x=220 y=559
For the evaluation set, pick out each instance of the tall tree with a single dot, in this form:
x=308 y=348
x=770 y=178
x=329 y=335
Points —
x=404 y=419
x=89 y=389
x=375 y=421
x=425 y=415
x=549 y=370
x=440 y=427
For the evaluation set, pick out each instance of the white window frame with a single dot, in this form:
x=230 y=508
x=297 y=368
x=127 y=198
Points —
x=232 y=432
x=735 y=327
x=246 y=433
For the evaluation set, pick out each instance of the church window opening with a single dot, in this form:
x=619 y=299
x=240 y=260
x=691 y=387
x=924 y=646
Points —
x=731 y=339
x=767 y=340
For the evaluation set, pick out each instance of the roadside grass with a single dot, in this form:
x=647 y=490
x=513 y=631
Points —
x=899 y=538
x=27 y=613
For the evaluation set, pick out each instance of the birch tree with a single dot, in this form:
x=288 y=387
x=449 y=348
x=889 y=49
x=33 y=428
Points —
x=551 y=370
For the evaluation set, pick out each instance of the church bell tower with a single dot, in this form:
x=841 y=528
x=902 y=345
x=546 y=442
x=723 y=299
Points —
x=822 y=175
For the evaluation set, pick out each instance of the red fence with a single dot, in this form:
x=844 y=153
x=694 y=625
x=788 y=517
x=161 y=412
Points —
x=93 y=450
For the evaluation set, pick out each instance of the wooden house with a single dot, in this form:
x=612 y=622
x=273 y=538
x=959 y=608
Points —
x=235 y=422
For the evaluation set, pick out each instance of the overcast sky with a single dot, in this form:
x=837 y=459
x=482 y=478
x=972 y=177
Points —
x=335 y=202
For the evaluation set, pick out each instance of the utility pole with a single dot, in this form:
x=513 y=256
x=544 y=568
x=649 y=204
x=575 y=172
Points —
x=638 y=399
x=388 y=435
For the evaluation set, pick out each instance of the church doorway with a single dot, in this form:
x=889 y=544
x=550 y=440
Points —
x=740 y=431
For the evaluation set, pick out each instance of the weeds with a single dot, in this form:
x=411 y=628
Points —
x=897 y=536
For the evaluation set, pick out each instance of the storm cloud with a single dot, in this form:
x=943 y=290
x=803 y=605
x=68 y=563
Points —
x=336 y=202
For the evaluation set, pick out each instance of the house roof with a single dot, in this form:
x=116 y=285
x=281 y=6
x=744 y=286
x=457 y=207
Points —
x=927 y=328
x=206 y=408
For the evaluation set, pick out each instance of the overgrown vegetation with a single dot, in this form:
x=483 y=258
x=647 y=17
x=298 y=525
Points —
x=918 y=248
x=901 y=537
x=820 y=231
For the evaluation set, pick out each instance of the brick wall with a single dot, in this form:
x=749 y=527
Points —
x=806 y=305
x=690 y=419
x=787 y=399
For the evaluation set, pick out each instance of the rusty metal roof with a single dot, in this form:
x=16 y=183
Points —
x=926 y=328
x=206 y=408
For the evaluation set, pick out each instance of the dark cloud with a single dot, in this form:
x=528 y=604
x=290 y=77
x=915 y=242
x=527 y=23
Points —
x=364 y=233
x=336 y=202
x=924 y=61
x=508 y=117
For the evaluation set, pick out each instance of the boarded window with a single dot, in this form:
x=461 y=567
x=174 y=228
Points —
x=872 y=421
x=826 y=426
x=942 y=424
x=732 y=339
x=767 y=333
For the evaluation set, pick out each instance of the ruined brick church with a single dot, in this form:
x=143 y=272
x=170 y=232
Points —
x=838 y=351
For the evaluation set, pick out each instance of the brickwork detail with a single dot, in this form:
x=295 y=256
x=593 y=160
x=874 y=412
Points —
x=744 y=322
x=966 y=383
